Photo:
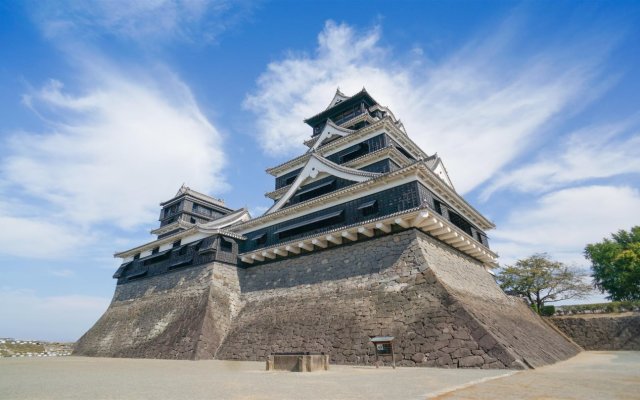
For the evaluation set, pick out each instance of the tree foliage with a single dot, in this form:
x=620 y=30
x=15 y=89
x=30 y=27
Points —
x=615 y=264
x=542 y=280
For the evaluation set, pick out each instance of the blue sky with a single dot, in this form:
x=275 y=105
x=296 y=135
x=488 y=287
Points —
x=106 y=108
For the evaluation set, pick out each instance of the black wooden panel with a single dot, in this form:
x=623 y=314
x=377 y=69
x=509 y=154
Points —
x=373 y=144
x=287 y=178
x=389 y=201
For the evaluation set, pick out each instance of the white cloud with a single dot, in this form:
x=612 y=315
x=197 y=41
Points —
x=478 y=107
x=143 y=20
x=562 y=223
x=596 y=152
x=110 y=154
x=33 y=238
x=27 y=315
x=62 y=273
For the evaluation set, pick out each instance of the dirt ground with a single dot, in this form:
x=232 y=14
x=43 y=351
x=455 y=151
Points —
x=590 y=375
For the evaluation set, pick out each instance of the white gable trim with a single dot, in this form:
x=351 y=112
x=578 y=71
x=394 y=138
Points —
x=330 y=130
x=241 y=215
x=315 y=166
x=441 y=172
x=339 y=97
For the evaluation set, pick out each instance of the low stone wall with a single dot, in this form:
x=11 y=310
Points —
x=602 y=331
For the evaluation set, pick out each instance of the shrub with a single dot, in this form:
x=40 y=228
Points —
x=548 y=311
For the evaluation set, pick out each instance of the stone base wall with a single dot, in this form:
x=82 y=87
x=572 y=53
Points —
x=602 y=331
x=442 y=307
x=184 y=314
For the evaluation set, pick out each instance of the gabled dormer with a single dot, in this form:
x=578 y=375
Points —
x=318 y=177
x=436 y=165
x=338 y=98
x=329 y=132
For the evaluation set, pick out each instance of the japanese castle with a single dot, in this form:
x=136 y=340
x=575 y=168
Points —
x=361 y=177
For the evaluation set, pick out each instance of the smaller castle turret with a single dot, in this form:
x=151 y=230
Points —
x=186 y=209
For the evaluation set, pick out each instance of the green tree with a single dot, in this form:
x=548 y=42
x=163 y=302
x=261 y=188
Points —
x=542 y=280
x=615 y=264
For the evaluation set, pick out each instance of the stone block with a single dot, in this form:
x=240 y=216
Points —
x=471 y=361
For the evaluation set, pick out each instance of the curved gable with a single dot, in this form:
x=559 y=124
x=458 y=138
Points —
x=315 y=166
x=330 y=131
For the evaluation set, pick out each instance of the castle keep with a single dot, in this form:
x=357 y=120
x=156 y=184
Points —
x=366 y=236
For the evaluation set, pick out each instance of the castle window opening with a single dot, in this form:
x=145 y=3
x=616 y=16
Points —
x=317 y=190
x=226 y=245
x=262 y=239
x=360 y=150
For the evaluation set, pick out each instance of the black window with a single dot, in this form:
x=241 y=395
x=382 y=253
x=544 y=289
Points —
x=136 y=257
x=176 y=244
x=359 y=150
x=460 y=222
x=192 y=220
x=226 y=245
x=155 y=250
x=315 y=190
x=437 y=206
x=368 y=207
x=262 y=239
x=290 y=180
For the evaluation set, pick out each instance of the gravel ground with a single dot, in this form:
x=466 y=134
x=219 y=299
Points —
x=590 y=375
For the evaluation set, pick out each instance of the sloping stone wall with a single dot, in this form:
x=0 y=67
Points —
x=184 y=314
x=443 y=308
x=602 y=331
x=511 y=324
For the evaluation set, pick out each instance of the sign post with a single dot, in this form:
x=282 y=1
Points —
x=384 y=347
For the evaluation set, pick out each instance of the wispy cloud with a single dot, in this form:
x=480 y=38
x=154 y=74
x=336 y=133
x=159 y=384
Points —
x=562 y=223
x=62 y=273
x=28 y=315
x=105 y=156
x=477 y=107
x=37 y=238
x=600 y=151
x=144 y=21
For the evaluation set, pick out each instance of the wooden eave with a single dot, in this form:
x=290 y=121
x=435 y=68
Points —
x=418 y=169
x=199 y=196
x=311 y=121
x=172 y=226
x=208 y=228
x=325 y=150
x=180 y=235
x=421 y=218
x=386 y=152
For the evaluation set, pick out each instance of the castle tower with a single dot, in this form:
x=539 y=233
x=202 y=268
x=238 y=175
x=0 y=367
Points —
x=366 y=236
x=361 y=177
